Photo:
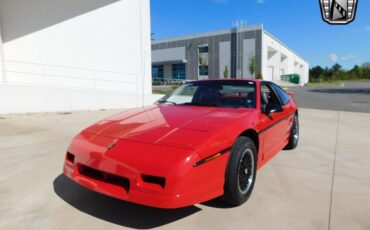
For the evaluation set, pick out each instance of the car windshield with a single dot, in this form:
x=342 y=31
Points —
x=216 y=93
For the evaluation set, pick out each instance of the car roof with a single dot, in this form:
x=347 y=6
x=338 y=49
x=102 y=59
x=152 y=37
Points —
x=229 y=79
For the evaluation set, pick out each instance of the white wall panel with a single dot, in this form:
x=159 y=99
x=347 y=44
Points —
x=24 y=78
x=54 y=99
x=289 y=65
x=225 y=58
x=170 y=54
x=249 y=51
x=93 y=45
x=2 y=70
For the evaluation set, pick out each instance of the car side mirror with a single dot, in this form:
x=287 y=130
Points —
x=272 y=108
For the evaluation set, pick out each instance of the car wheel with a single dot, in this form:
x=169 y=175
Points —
x=294 y=134
x=240 y=172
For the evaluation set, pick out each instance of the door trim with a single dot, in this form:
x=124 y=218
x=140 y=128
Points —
x=277 y=122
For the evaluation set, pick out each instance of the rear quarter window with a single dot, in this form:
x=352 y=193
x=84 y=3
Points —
x=284 y=97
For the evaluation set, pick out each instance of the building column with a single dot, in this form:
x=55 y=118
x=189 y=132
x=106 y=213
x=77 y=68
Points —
x=278 y=77
x=2 y=59
x=234 y=53
x=145 y=86
x=167 y=72
x=264 y=61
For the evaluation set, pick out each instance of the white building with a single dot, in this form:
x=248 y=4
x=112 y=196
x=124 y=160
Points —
x=278 y=60
x=58 y=55
x=225 y=53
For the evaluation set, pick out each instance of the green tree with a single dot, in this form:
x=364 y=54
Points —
x=366 y=65
x=226 y=72
x=252 y=65
x=356 y=72
x=316 y=73
x=365 y=70
x=336 y=72
x=336 y=68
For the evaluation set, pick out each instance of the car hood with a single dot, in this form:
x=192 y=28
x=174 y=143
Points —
x=181 y=126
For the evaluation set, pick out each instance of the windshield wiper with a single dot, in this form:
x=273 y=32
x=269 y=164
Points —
x=165 y=101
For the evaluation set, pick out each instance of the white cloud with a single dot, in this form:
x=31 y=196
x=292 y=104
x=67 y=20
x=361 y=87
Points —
x=349 y=57
x=367 y=28
x=333 y=57
x=260 y=1
x=221 y=1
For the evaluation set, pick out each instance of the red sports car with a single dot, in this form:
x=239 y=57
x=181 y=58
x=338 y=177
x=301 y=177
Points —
x=204 y=140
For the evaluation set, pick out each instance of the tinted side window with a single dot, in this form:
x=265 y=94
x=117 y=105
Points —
x=268 y=95
x=284 y=97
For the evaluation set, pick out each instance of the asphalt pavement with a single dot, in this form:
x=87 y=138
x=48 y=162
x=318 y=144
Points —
x=351 y=96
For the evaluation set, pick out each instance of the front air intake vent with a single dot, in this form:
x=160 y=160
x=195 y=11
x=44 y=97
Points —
x=161 y=181
x=104 y=177
x=70 y=157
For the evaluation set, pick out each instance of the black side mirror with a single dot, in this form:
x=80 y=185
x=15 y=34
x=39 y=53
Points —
x=272 y=108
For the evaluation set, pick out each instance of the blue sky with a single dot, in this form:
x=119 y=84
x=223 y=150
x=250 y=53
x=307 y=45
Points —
x=297 y=23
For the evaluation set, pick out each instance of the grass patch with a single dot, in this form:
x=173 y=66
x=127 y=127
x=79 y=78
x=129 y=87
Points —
x=160 y=92
x=327 y=83
x=335 y=83
x=358 y=80
x=164 y=89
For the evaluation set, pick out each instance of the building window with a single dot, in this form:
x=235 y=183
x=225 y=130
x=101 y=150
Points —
x=157 y=73
x=178 y=72
x=203 y=58
x=203 y=49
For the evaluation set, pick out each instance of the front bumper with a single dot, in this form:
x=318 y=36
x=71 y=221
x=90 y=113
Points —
x=123 y=172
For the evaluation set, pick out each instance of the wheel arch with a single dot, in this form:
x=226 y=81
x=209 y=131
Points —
x=252 y=134
x=230 y=195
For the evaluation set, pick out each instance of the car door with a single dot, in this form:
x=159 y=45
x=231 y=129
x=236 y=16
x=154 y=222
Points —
x=288 y=109
x=274 y=126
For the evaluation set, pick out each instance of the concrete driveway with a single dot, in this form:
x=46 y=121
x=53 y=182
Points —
x=324 y=183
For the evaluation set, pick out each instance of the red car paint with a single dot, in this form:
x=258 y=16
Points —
x=117 y=155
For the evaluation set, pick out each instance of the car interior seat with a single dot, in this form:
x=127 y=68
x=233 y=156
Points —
x=208 y=96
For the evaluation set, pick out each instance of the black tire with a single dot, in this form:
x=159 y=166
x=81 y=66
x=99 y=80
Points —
x=240 y=172
x=294 y=134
